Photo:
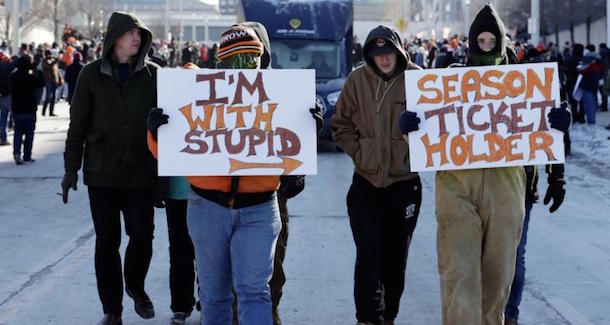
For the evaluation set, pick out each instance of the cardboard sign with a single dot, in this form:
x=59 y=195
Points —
x=237 y=122
x=484 y=117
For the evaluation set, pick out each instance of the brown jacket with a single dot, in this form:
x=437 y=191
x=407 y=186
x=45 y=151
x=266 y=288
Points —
x=365 y=122
x=365 y=126
x=50 y=70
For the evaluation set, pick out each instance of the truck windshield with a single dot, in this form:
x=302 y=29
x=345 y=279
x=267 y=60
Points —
x=323 y=56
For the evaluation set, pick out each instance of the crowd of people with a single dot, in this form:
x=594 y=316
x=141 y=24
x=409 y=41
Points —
x=231 y=232
x=583 y=69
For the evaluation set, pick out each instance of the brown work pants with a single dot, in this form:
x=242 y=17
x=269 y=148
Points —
x=480 y=217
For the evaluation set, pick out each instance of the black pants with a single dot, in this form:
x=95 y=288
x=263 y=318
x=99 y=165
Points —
x=578 y=112
x=137 y=208
x=382 y=221
x=181 y=257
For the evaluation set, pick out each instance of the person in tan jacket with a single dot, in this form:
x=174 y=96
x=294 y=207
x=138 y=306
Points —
x=385 y=196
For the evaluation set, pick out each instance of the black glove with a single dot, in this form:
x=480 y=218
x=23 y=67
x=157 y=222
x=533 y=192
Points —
x=555 y=190
x=408 y=122
x=316 y=113
x=69 y=181
x=156 y=118
x=560 y=118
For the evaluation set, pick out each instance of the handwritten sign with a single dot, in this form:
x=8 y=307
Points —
x=484 y=117
x=237 y=122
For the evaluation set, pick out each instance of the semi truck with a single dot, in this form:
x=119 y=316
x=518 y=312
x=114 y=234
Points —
x=312 y=34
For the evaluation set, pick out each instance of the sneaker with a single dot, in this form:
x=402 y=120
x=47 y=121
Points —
x=52 y=114
x=29 y=160
x=179 y=318
x=18 y=159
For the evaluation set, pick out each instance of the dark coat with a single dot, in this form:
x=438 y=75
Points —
x=108 y=119
x=6 y=69
x=24 y=82
x=72 y=73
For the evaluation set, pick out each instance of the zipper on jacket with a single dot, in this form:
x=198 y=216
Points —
x=385 y=92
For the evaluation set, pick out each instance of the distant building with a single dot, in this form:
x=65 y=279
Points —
x=201 y=22
x=228 y=7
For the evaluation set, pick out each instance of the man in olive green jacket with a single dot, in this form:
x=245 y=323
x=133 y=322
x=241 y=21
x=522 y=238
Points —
x=108 y=114
x=384 y=198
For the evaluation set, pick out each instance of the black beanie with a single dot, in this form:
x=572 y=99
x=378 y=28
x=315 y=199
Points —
x=487 y=20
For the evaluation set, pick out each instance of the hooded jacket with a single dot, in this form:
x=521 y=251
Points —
x=487 y=20
x=72 y=73
x=108 y=118
x=365 y=121
x=247 y=184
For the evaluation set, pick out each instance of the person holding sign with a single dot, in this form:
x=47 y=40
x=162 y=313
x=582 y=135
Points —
x=234 y=221
x=108 y=128
x=480 y=211
x=385 y=196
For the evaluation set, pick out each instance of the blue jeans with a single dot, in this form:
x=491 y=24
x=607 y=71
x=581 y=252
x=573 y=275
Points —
x=234 y=248
x=5 y=106
x=516 y=289
x=25 y=123
x=50 y=90
x=589 y=103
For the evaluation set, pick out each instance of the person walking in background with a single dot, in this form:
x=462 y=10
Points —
x=385 y=196
x=591 y=68
x=604 y=53
x=72 y=73
x=578 y=115
x=7 y=65
x=52 y=79
x=24 y=82
x=108 y=129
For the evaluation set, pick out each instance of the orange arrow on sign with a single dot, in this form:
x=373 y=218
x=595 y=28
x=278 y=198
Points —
x=287 y=164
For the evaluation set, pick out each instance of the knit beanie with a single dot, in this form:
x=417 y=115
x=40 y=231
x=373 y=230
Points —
x=239 y=39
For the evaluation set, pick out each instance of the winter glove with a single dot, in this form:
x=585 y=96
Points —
x=316 y=113
x=408 y=122
x=560 y=118
x=69 y=181
x=156 y=118
x=555 y=190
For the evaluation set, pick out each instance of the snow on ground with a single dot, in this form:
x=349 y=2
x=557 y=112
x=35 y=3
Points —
x=46 y=247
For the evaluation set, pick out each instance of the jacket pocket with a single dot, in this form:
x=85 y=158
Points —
x=366 y=157
x=400 y=157
x=94 y=153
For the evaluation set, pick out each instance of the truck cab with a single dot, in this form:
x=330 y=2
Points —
x=309 y=35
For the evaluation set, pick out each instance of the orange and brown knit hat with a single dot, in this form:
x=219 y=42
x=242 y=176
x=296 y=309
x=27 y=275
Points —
x=239 y=39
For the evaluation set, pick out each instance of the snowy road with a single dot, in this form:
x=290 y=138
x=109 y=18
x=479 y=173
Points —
x=46 y=248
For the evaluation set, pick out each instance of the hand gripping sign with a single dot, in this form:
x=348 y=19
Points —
x=484 y=117
x=236 y=122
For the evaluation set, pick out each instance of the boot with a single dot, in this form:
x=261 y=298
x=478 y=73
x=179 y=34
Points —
x=142 y=304
x=111 y=319
x=18 y=159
